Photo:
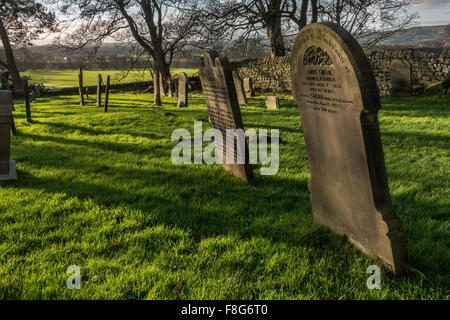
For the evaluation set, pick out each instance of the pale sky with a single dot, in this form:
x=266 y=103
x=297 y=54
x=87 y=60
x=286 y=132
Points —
x=433 y=12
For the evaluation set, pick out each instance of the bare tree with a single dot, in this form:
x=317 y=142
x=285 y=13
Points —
x=161 y=28
x=369 y=21
x=21 y=22
x=249 y=19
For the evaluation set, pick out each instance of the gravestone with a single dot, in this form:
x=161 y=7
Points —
x=338 y=100
x=183 y=83
x=8 y=172
x=272 y=102
x=37 y=90
x=248 y=87
x=242 y=99
x=223 y=109
x=401 y=78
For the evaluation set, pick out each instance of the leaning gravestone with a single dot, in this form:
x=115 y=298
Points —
x=183 y=85
x=272 y=102
x=8 y=171
x=401 y=78
x=223 y=109
x=248 y=87
x=242 y=99
x=338 y=100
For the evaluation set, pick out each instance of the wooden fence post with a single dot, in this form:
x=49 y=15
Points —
x=80 y=86
x=108 y=79
x=99 y=90
x=27 y=99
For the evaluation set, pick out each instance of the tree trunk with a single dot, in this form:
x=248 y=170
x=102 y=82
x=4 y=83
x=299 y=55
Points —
x=164 y=69
x=303 y=14
x=313 y=11
x=12 y=67
x=273 y=22
x=277 y=48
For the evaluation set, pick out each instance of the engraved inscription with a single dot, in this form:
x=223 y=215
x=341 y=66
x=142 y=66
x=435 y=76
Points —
x=324 y=90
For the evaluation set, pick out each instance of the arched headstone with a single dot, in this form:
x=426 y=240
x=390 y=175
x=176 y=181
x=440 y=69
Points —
x=272 y=102
x=401 y=78
x=338 y=100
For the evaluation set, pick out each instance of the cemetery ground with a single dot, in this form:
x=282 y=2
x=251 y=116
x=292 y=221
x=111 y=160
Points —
x=98 y=190
x=69 y=78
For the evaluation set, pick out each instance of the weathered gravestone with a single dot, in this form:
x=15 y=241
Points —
x=239 y=86
x=248 y=87
x=401 y=78
x=272 y=102
x=338 y=102
x=8 y=171
x=183 y=89
x=224 y=113
x=37 y=90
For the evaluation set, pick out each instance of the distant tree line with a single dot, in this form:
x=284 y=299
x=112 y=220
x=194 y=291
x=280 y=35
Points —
x=165 y=33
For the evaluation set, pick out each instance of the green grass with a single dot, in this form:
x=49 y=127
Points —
x=69 y=78
x=100 y=191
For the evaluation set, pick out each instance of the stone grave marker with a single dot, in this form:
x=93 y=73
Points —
x=272 y=102
x=37 y=90
x=248 y=87
x=338 y=100
x=183 y=89
x=239 y=86
x=8 y=172
x=401 y=78
x=223 y=109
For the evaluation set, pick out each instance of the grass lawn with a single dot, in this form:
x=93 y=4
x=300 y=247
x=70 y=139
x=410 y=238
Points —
x=100 y=191
x=69 y=78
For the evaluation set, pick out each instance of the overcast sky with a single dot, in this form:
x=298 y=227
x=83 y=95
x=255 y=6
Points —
x=433 y=12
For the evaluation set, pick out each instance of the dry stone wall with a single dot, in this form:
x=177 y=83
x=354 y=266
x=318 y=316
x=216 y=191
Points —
x=428 y=65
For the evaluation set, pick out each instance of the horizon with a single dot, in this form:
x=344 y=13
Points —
x=431 y=13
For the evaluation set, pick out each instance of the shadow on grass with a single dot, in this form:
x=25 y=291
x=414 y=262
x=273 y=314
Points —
x=204 y=200
x=209 y=203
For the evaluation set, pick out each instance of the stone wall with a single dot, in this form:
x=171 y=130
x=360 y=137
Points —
x=428 y=65
x=268 y=74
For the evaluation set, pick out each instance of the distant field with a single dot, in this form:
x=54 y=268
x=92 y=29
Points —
x=69 y=78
